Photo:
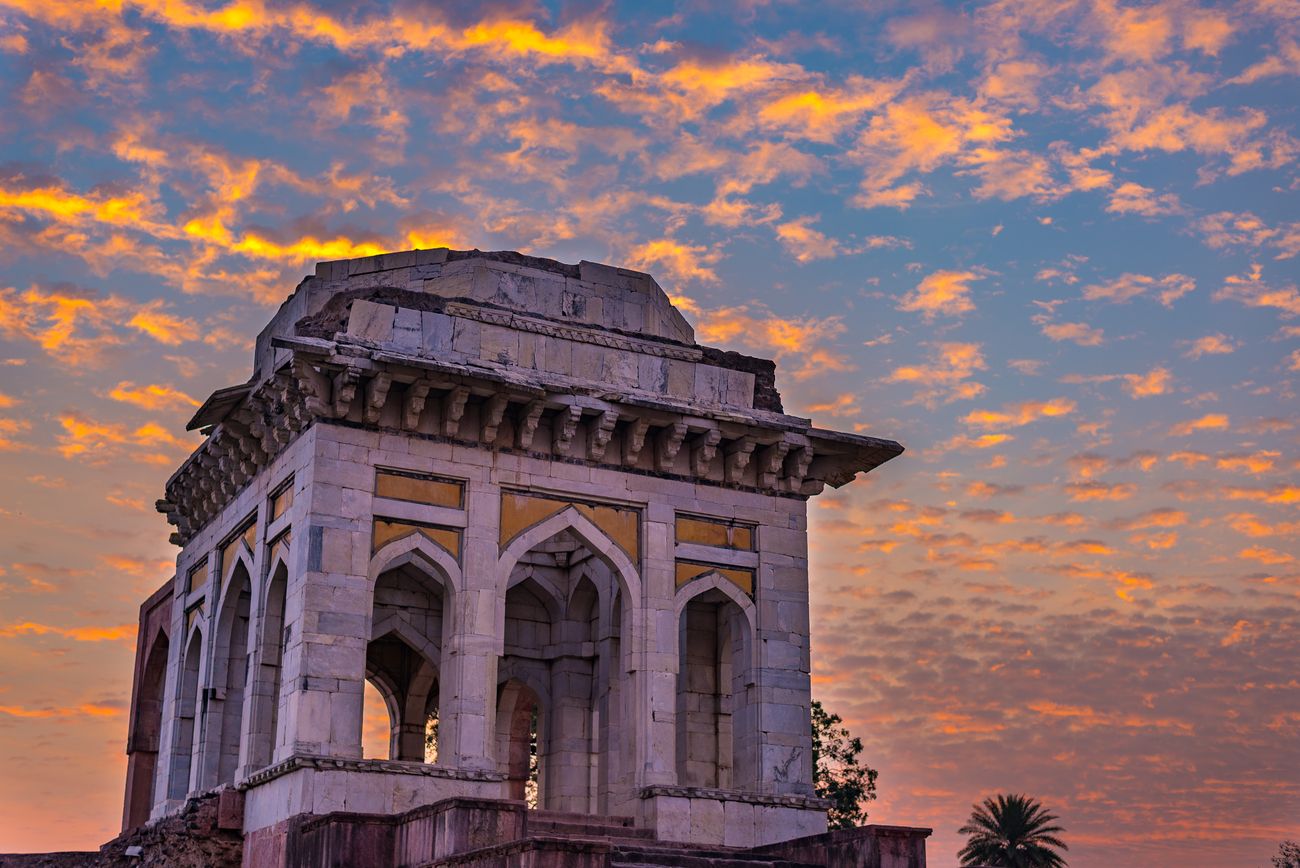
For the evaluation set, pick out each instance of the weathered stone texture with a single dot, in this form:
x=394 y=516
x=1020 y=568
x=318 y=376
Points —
x=460 y=477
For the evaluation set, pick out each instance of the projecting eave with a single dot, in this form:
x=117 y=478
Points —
x=841 y=456
x=218 y=405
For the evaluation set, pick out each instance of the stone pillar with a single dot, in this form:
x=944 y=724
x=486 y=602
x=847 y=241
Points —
x=783 y=680
x=655 y=684
x=467 y=702
x=328 y=607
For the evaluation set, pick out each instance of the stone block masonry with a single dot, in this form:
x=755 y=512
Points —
x=564 y=542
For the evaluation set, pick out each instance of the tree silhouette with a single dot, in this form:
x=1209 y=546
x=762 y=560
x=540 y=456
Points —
x=1288 y=855
x=1012 y=831
x=838 y=774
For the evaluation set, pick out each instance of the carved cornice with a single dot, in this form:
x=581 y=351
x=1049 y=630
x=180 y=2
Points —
x=763 y=452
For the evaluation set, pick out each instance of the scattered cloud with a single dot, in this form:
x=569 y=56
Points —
x=943 y=292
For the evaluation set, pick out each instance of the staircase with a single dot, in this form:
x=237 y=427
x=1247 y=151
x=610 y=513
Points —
x=689 y=856
x=568 y=840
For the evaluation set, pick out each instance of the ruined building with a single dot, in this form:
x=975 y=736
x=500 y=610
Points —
x=520 y=500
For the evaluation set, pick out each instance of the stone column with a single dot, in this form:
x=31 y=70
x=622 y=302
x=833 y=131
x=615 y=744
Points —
x=655 y=682
x=327 y=608
x=783 y=680
x=467 y=701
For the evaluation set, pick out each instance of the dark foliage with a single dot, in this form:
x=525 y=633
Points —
x=838 y=772
x=1012 y=832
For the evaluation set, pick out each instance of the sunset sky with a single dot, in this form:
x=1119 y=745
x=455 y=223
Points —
x=1049 y=246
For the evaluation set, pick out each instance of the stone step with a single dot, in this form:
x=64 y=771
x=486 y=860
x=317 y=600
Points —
x=586 y=831
x=578 y=817
x=688 y=856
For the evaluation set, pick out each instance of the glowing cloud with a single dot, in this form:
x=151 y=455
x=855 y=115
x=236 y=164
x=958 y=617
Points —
x=943 y=292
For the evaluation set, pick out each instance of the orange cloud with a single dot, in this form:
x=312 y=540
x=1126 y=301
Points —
x=1265 y=555
x=919 y=134
x=1131 y=198
x=1153 y=382
x=1162 y=517
x=8 y=429
x=943 y=292
x=822 y=115
x=1016 y=415
x=98 y=441
x=151 y=396
x=1250 y=290
x=1256 y=462
x=163 y=327
x=1211 y=345
x=1127 y=287
x=1252 y=525
x=805 y=339
x=947 y=377
x=1208 y=422
x=1099 y=491
x=682 y=262
x=119 y=633
x=86 y=709
x=1080 y=333
x=1243 y=229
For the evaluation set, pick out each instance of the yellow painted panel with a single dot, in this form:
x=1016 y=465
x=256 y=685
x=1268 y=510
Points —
x=280 y=548
x=281 y=501
x=738 y=576
x=419 y=489
x=244 y=537
x=700 y=532
x=721 y=534
x=197 y=578
x=386 y=530
x=521 y=511
x=622 y=525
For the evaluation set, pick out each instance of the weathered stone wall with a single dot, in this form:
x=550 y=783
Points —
x=206 y=833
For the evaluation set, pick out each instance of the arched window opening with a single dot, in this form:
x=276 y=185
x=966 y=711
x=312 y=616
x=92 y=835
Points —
x=227 y=707
x=144 y=746
x=561 y=639
x=182 y=759
x=715 y=722
x=376 y=724
x=266 y=686
x=519 y=733
x=402 y=659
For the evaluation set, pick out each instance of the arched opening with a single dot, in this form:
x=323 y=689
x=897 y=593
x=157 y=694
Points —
x=146 y=727
x=716 y=729
x=230 y=675
x=182 y=759
x=519 y=739
x=273 y=636
x=561 y=667
x=403 y=657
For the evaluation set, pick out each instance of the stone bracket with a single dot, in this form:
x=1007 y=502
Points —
x=668 y=444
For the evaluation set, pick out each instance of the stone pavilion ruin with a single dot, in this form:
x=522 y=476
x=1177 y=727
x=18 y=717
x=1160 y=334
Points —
x=518 y=499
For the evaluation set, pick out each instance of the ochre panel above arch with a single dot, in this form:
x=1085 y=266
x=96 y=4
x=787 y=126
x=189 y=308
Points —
x=521 y=511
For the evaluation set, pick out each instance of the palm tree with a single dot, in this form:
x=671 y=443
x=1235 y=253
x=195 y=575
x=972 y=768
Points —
x=1012 y=832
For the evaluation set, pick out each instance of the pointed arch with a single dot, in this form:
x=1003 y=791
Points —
x=421 y=551
x=145 y=733
x=229 y=675
x=185 y=717
x=272 y=637
x=242 y=558
x=395 y=624
x=600 y=544
x=543 y=589
x=714 y=581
